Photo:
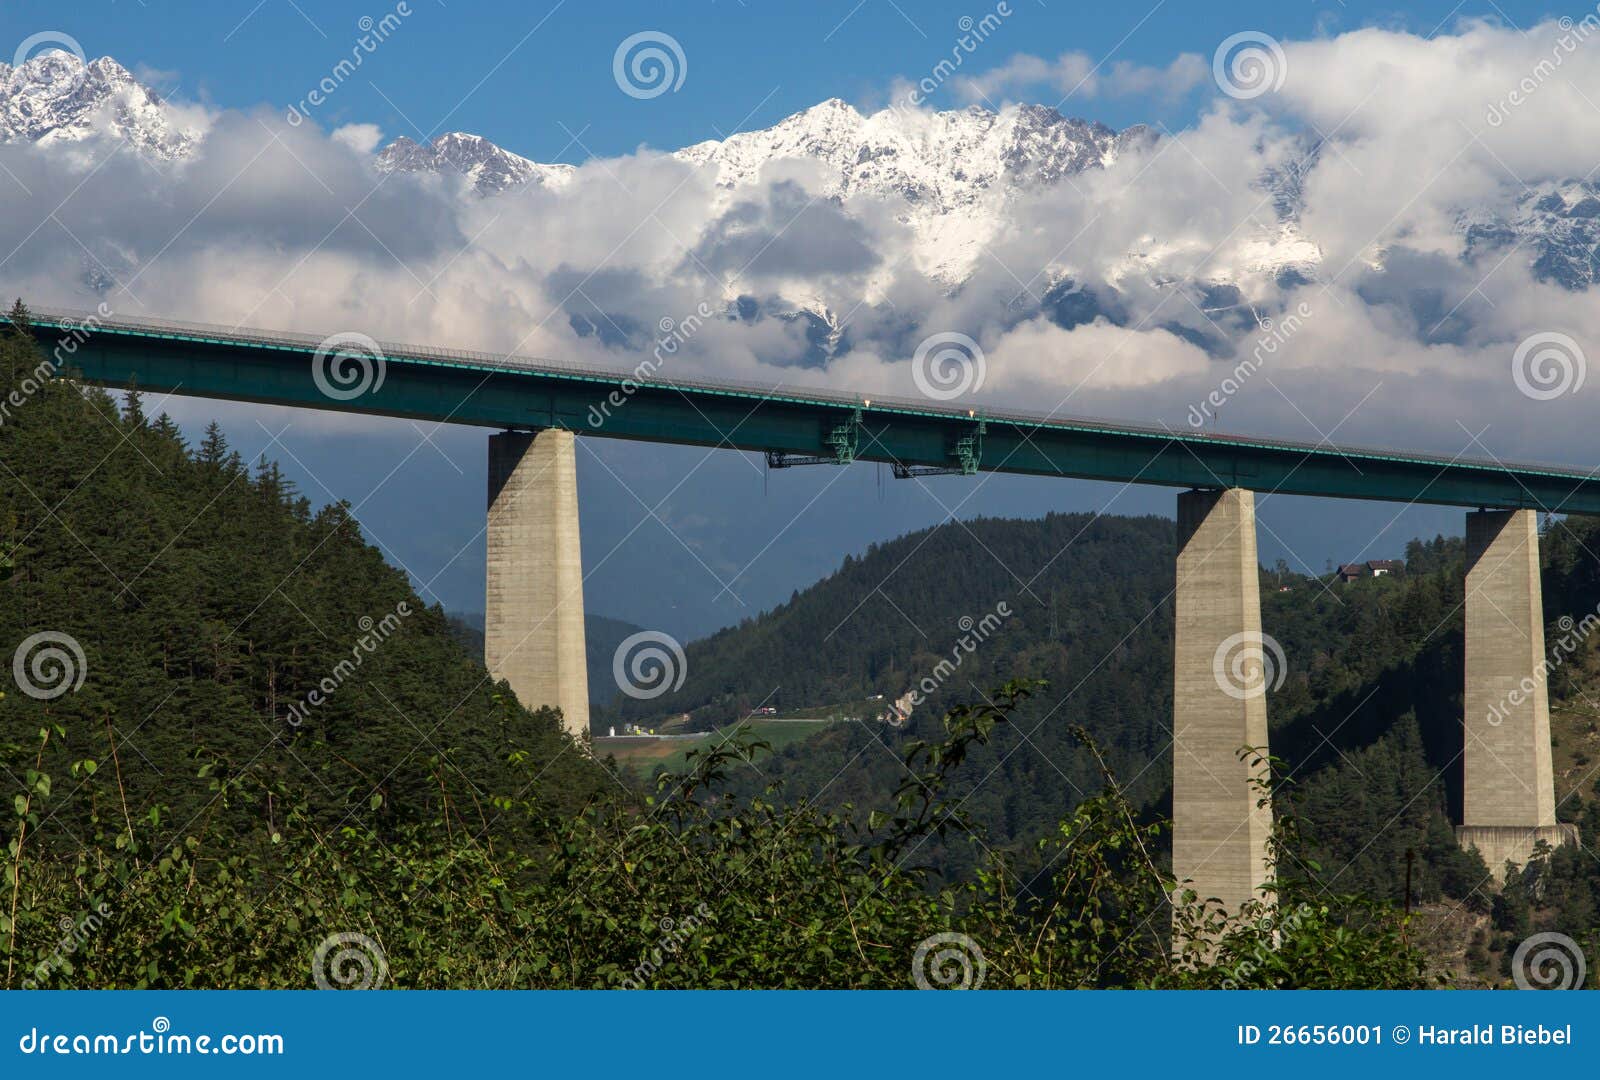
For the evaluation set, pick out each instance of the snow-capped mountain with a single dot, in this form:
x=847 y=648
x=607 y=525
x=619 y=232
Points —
x=486 y=166
x=943 y=161
x=953 y=170
x=950 y=174
x=1557 y=225
x=57 y=98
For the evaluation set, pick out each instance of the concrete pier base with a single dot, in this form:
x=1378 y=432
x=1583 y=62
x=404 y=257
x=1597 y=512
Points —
x=1500 y=844
x=1219 y=832
x=1508 y=790
x=533 y=634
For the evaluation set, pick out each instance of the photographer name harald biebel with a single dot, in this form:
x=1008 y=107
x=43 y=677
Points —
x=1493 y=1035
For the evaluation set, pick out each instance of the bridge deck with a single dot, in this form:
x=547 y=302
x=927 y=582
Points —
x=486 y=389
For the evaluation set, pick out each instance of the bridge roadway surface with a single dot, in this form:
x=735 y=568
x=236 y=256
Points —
x=789 y=422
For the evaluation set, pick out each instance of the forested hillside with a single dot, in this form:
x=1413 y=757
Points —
x=1075 y=600
x=206 y=608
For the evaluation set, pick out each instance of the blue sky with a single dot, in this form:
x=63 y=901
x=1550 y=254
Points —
x=531 y=76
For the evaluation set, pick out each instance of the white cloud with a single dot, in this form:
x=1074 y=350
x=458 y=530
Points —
x=1078 y=75
x=278 y=226
x=362 y=138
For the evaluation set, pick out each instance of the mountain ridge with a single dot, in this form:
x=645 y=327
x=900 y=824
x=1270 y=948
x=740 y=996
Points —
x=951 y=177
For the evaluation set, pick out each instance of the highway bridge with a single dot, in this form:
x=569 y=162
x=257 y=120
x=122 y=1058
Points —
x=790 y=423
x=534 y=602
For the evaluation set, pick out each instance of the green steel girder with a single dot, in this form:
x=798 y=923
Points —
x=844 y=439
x=464 y=391
x=967 y=454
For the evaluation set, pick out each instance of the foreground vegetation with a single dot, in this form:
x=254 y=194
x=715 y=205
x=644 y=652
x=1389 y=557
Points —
x=688 y=891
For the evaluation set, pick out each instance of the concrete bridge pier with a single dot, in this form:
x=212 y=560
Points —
x=1508 y=791
x=533 y=634
x=1220 y=671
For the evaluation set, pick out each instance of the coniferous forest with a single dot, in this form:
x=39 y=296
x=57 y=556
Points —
x=236 y=735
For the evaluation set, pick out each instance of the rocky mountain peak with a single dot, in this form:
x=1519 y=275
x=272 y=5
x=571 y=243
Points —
x=490 y=168
x=56 y=97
